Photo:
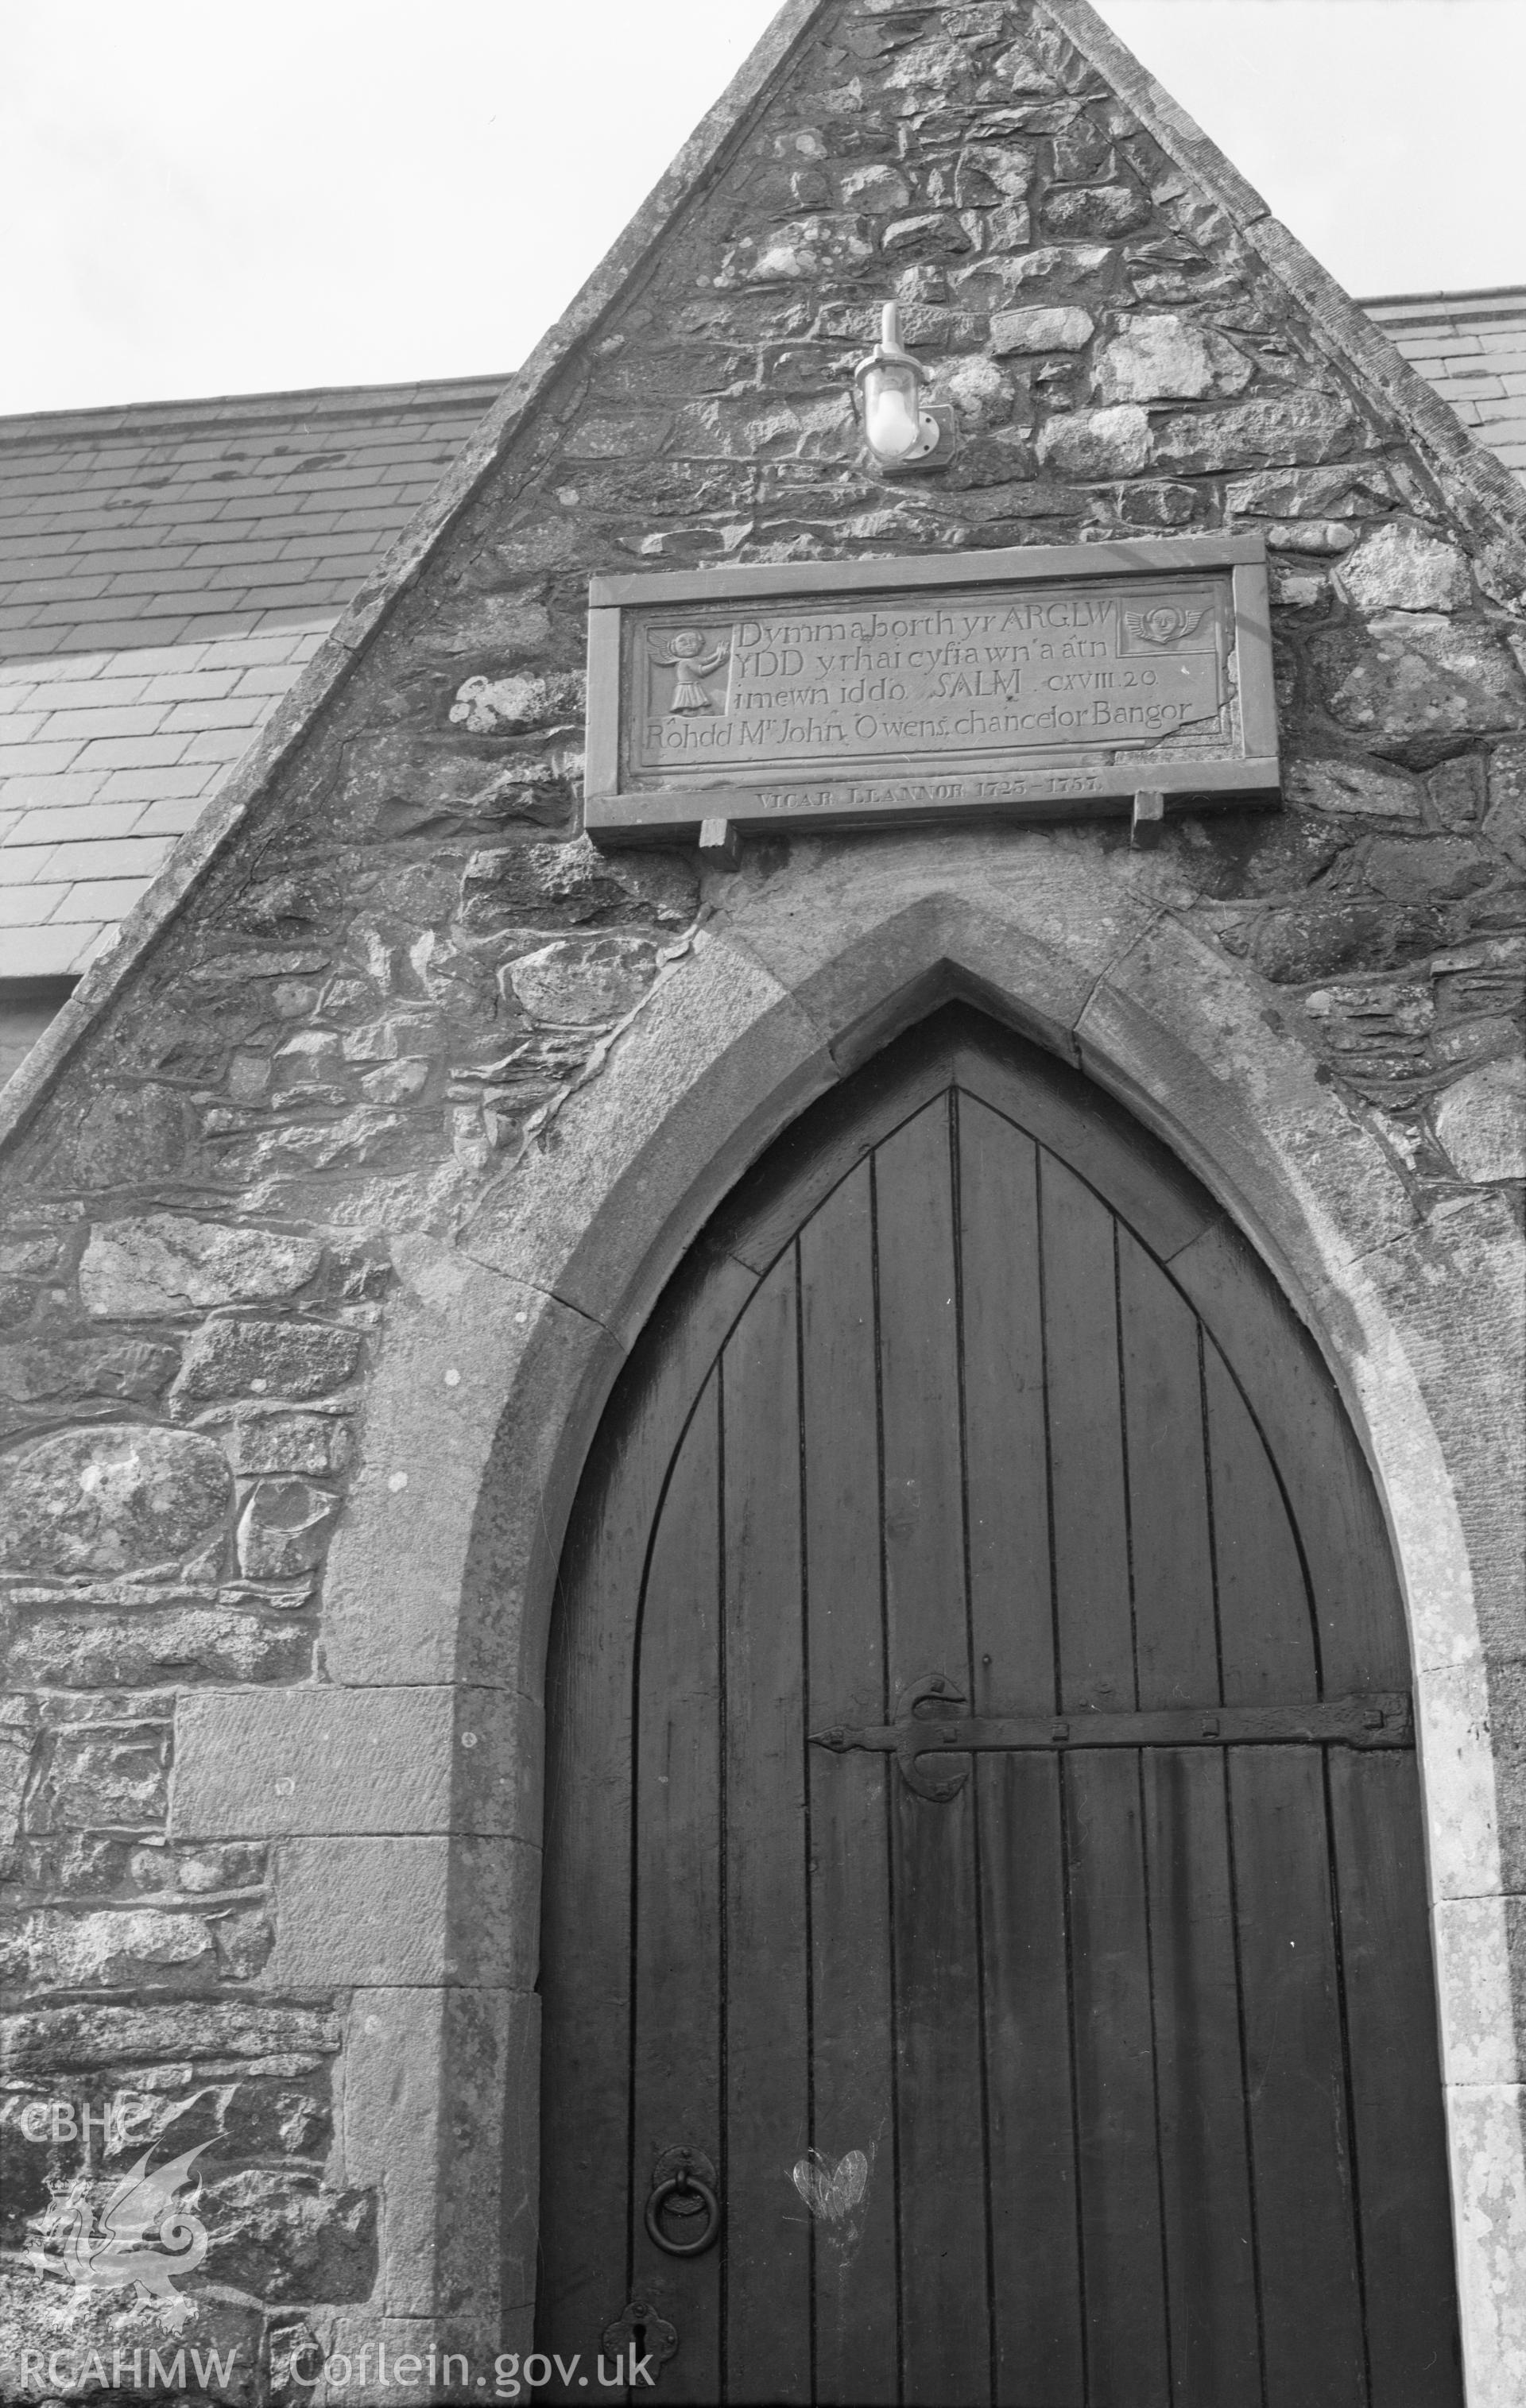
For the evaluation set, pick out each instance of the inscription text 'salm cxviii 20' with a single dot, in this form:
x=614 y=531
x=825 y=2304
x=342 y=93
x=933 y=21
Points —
x=1039 y=683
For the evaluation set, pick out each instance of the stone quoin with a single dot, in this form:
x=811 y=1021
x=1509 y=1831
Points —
x=336 y=1198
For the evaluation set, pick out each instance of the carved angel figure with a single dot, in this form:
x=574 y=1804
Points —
x=1165 y=624
x=687 y=655
x=138 y=2235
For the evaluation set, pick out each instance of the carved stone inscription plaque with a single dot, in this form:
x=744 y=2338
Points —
x=1031 y=684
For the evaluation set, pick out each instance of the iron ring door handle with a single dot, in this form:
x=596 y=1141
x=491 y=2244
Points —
x=711 y=2205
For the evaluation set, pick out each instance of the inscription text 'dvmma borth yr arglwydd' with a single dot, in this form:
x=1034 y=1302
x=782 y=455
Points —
x=1063 y=673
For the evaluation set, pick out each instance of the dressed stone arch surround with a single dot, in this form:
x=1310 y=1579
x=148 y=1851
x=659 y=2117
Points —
x=405 y=1795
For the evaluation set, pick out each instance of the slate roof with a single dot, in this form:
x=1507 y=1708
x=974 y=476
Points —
x=1472 y=347
x=165 y=572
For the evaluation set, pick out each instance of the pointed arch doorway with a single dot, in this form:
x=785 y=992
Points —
x=984 y=1846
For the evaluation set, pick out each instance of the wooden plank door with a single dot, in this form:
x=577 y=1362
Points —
x=982 y=1822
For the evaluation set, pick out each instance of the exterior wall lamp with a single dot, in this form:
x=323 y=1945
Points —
x=901 y=431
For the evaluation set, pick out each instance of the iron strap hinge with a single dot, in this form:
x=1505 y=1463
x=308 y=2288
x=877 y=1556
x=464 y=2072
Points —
x=925 y=1726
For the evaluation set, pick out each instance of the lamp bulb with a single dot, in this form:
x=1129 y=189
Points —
x=892 y=418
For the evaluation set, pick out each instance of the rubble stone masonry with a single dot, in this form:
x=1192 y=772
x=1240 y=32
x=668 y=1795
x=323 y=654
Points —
x=397 y=985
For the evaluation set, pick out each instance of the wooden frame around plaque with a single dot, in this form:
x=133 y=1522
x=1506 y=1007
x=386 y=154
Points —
x=1053 y=681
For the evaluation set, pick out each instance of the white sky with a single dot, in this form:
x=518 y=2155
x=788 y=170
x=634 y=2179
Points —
x=206 y=196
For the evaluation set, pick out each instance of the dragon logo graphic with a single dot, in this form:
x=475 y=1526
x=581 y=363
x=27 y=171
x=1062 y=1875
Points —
x=140 y=2233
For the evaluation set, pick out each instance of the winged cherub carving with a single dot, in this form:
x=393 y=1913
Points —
x=1166 y=623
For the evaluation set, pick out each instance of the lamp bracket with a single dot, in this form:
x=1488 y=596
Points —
x=936 y=450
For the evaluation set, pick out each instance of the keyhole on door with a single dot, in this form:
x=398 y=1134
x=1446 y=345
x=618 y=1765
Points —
x=643 y=2330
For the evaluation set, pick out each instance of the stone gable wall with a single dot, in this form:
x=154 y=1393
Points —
x=392 y=986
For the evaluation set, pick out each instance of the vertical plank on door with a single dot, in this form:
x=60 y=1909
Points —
x=1011 y=1601
x=1266 y=1625
x=1204 y=2167
x=854 y=2074
x=1035 y=2262
x=1400 y=2137
x=946 y=2341
x=1035 y=2252
x=1311 y=2305
x=1176 y=1641
x=1086 y=1445
x=676 y=2025
x=1122 y=2243
x=765 y=1913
